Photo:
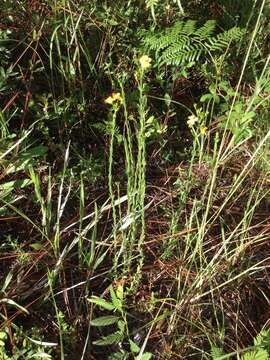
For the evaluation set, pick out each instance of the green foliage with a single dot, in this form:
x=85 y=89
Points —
x=26 y=347
x=118 y=306
x=104 y=320
x=260 y=350
x=12 y=164
x=262 y=346
x=233 y=114
x=216 y=353
x=187 y=42
x=122 y=159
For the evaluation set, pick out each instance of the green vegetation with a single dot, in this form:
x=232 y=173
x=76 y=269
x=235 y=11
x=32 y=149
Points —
x=134 y=192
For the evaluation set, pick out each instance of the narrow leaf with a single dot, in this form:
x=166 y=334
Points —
x=116 y=302
x=104 y=320
x=11 y=302
x=102 y=303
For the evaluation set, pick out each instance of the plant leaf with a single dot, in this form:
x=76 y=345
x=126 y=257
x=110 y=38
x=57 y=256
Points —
x=3 y=335
x=120 y=292
x=110 y=339
x=13 y=303
x=261 y=354
x=15 y=184
x=104 y=320
x=118 y=356
x=134 y=347
x=263 y=338
x=37 y=246
x=41 y=355
x=102 y=303
x=145 y=356
x=216 y=352
x=116 y=302
x=121 y=325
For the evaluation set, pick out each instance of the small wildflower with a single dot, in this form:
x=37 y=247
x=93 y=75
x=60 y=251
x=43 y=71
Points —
x=113 y=98
x=192 y=119
x=145 y=61
x=109 y=100
x=203 y=130
x=117 y=97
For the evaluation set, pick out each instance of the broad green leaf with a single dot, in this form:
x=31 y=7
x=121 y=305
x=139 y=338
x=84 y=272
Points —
x=104 y=320
x=35 y=151
x=206 y=97
x=134 y=347
x=145 y=356
x=102 y=303
x=110 y=339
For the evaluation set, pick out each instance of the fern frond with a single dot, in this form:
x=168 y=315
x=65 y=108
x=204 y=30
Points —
x=223 y=40
x=189 y=27
x=185 y=41
x=206 y=30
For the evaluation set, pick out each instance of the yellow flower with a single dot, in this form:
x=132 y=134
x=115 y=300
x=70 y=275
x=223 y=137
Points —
x=117 y=97
x=192 y=119
x=113 y=98
x=145 y=61
x=109 y=100
x=203 y=130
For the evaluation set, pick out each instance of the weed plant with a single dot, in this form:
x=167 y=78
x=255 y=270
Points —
x=134 y=183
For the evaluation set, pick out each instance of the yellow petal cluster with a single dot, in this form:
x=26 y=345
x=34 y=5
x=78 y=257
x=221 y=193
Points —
x=114 y=98
x=145 y=61
x=192 y=119
x=203 y=130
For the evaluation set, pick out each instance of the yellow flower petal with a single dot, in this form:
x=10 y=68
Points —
x=203 y=130
x=113 y=98
x=109 y=100
x=145 y=61
x=192 y=119
x=117 y=97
